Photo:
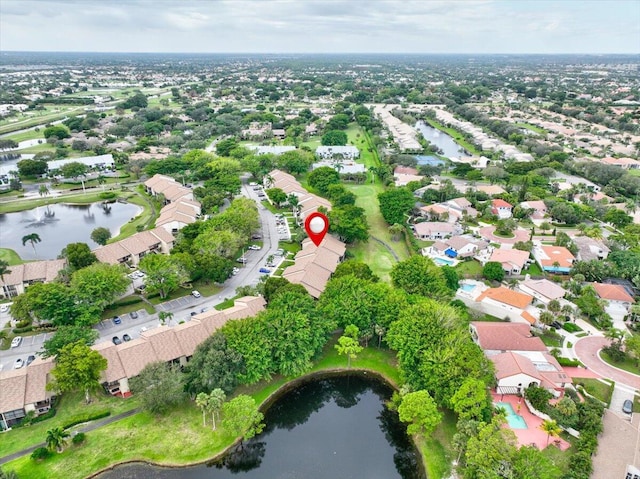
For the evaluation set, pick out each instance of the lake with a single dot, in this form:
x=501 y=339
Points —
x=61 y=224
x=449 y=148
x=334 y=428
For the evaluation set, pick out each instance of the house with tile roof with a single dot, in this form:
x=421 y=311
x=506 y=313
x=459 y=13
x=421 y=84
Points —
x=590 y=248
x=501 y=208
x=517 y=371
x=24 y=275
x=616 y=296
x=456 y=247
x=543 y=290
x=435 y=230
x=24 y=390
x=553 y=259
x=314 y=265
x=495 y=338
x=132 y=249
x=307 y=202
x=513 y=261
x=168 y=187
x=538 y=210
x=503 y=302
x=175 y=344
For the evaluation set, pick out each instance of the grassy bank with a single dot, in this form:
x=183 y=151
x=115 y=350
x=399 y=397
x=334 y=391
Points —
x=456 y=135
x=27 y=204
x=10 y=256
x=150 y=438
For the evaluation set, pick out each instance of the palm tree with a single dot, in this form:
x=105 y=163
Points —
x=554 y=306
x=32 y=238
x=56 y=438
x=43 y=190
x=216 y=399
x=567 y=310
x=551 y=428
x=165 y=315
x=4 y=269
x=546 y=318
x=202 y=401
x=101 y=181
x=294 y=203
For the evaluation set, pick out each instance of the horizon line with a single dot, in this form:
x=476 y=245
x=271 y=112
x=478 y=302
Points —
x=319 y=53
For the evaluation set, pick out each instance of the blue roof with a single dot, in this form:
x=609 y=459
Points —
x=450 y=253
x=554 y=269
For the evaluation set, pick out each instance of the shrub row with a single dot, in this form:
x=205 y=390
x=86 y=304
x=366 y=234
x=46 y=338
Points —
x=571 y=327
x=568 y=362
x=26 y=329
x=79 y=419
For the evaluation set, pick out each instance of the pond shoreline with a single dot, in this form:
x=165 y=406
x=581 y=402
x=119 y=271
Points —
x=266 y=404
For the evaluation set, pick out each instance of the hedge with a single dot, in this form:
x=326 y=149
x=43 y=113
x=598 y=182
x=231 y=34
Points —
x=75 y=420
x=569 y=362
x=571 y=327
x=26 y=329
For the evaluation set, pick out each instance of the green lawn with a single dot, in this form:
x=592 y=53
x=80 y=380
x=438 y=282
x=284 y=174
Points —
x=26 y=135
x=176 y=438
x=471 y=269
x=10 y=256
x=75 y=198
x=528 y=126
x=49 y=114
x=436 y=450
x=596 y=388
x=376 y=255
x=70 y=405
x=145 y=219
x=533 y=270
x=628 y=364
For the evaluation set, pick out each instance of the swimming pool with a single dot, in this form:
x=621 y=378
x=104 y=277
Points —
x=516 y=421
x=467 y=287
x=442 y=261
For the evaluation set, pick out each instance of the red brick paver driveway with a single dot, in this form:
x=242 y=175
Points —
x=518 y=235
x=587 y=351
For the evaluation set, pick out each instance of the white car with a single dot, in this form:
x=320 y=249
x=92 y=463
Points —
x=18 y=364
x=235 y=271
x=255 y=247
x=15 y=342
x=4 y=308
x=196 y=294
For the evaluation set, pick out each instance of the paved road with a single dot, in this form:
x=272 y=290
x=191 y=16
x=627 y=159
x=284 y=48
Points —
x=182 y=307
x=586 y=350
x=617 y=447
x=87 y=428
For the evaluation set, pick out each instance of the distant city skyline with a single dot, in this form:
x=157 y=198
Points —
x=314 y=26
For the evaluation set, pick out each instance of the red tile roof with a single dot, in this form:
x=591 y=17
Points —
x=506 y=337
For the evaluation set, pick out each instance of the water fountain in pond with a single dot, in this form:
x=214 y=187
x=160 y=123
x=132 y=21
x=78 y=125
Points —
x=42 y=217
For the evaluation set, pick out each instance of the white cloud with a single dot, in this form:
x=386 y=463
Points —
x=429 y=26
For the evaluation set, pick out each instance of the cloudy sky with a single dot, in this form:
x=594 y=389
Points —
x=285 y=26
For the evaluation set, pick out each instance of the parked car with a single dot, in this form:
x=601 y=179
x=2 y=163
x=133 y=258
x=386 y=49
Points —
x=256 y=236
x=556 y=325
x=193 y=313
x=279 y=252
x=143 y=329
x=18 y=363
x=627 y=406
x=242 y=260
x=15 y=342
x=116 y=340
x=204 y=309
x=126 y=337
x=133 y=315
x=116 y=320
x=265 y=270
x=30 y=359
x=235 y=271
x=4 y=308
x=255 y=247
x=196 y=294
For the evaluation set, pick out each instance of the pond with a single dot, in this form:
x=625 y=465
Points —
x=326 y=429
x=60 y=224
x=449 y=148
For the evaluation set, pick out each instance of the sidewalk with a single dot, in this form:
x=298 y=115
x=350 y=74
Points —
x=87 y=428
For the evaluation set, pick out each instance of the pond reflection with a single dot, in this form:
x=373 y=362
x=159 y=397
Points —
x=326 y=429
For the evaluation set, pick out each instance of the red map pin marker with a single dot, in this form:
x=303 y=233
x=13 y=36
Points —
x=316 y=226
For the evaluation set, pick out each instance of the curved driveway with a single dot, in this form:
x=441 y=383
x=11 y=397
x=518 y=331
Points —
x=586 y=350
x=519 y=234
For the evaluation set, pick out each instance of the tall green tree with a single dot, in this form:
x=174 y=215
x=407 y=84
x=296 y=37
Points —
x=68 y=334
x=420 y=411
x=471 y=400
x=101 y=235
x=419 y=275
x=490 y=454
x=78 y=255
x=241 y=417
x=164 y=274
x=160 y=386
x=78 y=367
x=98 y=285
x=202 y=401
x=349 y=222
x=348 y=344
x=216 y=399
x=214 y=365
x=395 y=205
